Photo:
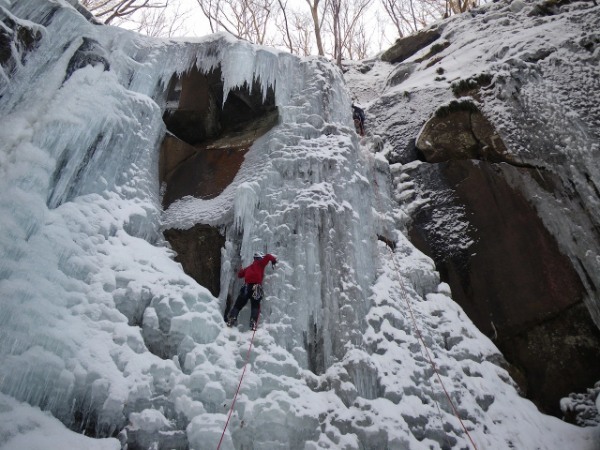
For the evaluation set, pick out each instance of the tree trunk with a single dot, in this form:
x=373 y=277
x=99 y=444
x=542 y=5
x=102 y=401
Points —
x=314 y=12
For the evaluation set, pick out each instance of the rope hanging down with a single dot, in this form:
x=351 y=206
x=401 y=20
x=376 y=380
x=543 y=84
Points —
x=420 y=336
x=241 y=379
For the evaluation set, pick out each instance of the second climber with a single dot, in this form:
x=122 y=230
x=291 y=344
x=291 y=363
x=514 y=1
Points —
x=358 y=115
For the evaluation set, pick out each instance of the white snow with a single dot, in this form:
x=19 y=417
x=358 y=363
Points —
x=102 y=329
x=23 y=427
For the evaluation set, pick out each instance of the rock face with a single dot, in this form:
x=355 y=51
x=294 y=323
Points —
x=202 y=173
x=199 y=252
x=89 y=53
x=206 y=144
x=503 y=265
x=460 y=131
x=16 y=42
x=561 y=355
x=201 y=155
x=408 y=46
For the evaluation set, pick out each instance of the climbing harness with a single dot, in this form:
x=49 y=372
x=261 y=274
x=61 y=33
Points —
x=240 y=383
x=257 y=292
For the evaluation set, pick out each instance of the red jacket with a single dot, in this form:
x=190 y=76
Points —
x=255 y=272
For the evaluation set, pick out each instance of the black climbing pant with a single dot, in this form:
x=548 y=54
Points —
x=252 y=292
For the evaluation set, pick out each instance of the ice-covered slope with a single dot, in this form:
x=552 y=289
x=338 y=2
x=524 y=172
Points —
x=86 y=275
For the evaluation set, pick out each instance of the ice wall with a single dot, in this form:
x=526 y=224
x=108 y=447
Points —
x=86 y=277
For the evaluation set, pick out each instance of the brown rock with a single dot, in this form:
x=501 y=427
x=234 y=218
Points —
x=448 y=137
x=512 y=281
x=201 y=155
x=199 y=252
x=516 y=274
x=205 y=174
x=408 y=46
x=559 y=355
x=172 y=153
x=459 y=131
x=205 y=146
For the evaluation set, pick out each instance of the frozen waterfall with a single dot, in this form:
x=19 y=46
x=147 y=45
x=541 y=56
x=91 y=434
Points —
x=86 y=277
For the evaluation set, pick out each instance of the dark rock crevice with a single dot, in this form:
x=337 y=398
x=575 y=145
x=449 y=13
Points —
x=539 y=352
x=314 y=345
x=207 y=137
x=459 y=131
x=503 y=266
x=472 y=86
x=199 y=252
x=16 y=42
x=205 y=145
x=89 y=53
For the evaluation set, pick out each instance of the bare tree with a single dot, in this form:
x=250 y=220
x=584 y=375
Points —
x=408 y=16
x=294 y=29
x=109 y=10
x=357 y=46
x=160 y=23
x=431 y=11
x=317 y=23
x=284 y=26
x=344 y=18
x=245 y=19
x=303 y=35
x=335 y=7
x=260 y=13
x=384 y=35
x=400 y=16
x=460 y=6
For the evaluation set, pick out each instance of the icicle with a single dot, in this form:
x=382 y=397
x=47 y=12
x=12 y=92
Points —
x=245 y=203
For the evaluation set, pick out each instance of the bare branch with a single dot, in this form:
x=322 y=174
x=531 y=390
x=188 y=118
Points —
x=408 y=16
x=109 y=10
x=245 y=19
x=285 y=27
x=160 y=23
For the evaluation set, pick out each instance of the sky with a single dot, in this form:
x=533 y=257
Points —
x=195 y=24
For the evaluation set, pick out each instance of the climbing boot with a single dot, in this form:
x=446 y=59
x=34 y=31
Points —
x=231 y=321
x=252 y=325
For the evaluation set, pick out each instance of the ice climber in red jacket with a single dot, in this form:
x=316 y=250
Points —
x=252 y=289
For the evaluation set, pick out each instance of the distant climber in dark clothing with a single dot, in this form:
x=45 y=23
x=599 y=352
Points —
x=359 y=119
x=252 y=289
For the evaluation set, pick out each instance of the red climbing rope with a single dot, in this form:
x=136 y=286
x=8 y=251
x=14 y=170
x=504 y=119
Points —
x=240 y=383
x=414 y=320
